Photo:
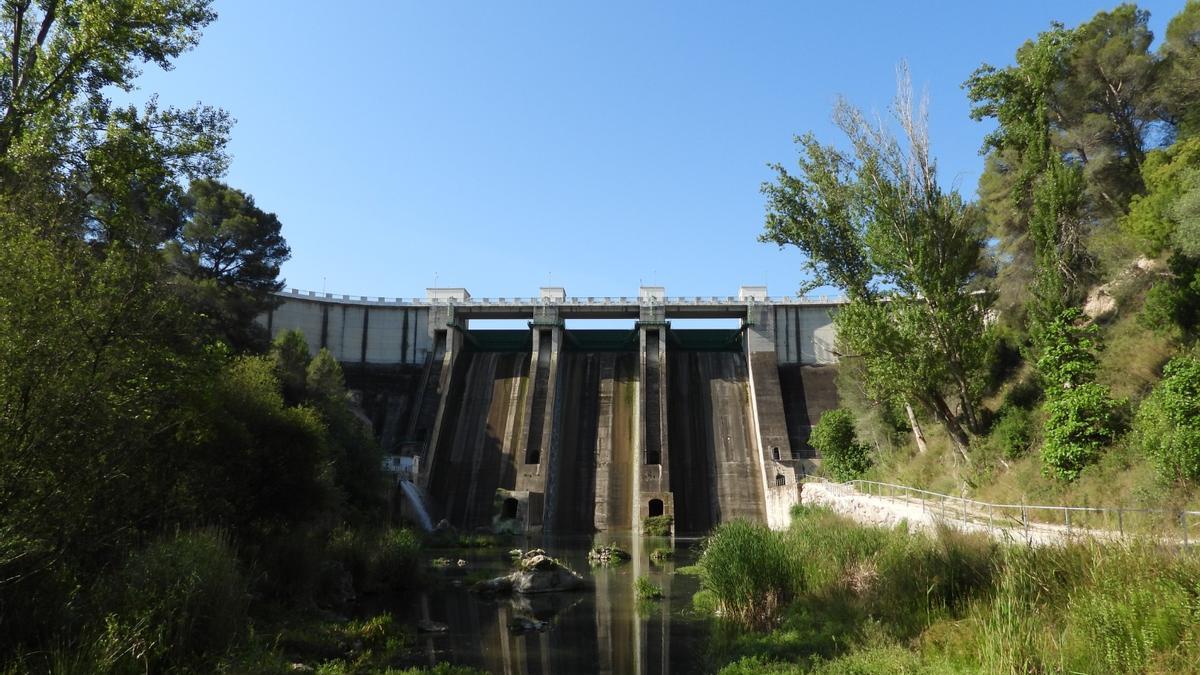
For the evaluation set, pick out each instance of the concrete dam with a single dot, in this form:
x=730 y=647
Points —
x=576 y=430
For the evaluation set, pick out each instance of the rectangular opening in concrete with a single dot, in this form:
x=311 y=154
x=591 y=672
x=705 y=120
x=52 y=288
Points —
x=705 y=324
x=600 y=324
x=498 y=324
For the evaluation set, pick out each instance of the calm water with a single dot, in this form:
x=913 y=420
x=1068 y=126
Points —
x=600 y=630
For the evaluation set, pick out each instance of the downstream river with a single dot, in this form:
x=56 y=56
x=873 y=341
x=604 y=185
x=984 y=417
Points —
x=604 y=629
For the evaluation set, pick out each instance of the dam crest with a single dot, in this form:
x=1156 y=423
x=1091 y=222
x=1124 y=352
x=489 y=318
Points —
x=576 y=430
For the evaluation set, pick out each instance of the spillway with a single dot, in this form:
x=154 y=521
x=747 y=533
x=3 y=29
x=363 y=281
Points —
x=592 y=482
x=477 y=447
x=715 y=470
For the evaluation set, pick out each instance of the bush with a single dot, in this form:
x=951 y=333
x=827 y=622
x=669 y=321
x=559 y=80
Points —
x=180 y=601
x=1011 y=431
x=657 y=526
x=645 y=589
x=1167 y=425
x=749 y=572
x=842 y=456
x=1079 y=422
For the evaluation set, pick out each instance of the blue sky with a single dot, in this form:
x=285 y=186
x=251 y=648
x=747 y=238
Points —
x=503 y=146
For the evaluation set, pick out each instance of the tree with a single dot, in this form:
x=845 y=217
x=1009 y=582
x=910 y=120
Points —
x=1162 y=216
x=1080 y=414
x=1046 y=191
x=877 y=221
x=60 y=57
x=230 y=252
x=1167 y=425
x=842 y=455
x=1179 y=79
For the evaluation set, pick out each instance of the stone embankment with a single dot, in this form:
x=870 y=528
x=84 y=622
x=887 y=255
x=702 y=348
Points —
x=927 y=515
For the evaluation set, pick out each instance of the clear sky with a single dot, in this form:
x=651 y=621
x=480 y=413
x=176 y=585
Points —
x=503 y=146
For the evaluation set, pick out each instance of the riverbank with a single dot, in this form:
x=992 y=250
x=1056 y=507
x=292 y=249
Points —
x=844 y=597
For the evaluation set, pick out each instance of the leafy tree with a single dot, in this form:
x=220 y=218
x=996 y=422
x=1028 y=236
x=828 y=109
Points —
x=291 y=356
x=60 y=57
x=877 y=219
x=1166 y=214
x=1080 y=422
x=1080 y=414
x=842 y=455
x=1179 y=80
x=230 y=251
x=1045 y=189
x=1167 y=425
x=1107 y=102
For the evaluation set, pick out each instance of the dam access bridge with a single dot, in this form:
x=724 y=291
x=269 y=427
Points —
x=573 y=429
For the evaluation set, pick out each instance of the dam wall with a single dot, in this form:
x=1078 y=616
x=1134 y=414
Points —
x=571 y=430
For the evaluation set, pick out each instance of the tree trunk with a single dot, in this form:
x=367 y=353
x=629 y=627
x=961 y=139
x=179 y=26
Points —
x=953 y=427
x=918 y=435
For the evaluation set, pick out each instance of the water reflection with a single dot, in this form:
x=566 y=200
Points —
x=600 y=630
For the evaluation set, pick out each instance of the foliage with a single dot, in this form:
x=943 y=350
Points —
x=748 y=570
x=842 y=455
x=229 y=253
x=1011 y=431
x=1170 y=175
x=1080 y=415
x=1167 y=425
x=877 y=218
x=1069 y=357
x=1080 y=422
x=1179 y=84
x=657 y=526
x=882 y=601
x=179 y=601
x=644 y=589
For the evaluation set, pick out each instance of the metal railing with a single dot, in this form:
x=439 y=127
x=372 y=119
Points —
x=1099 y=522
x=574 y=301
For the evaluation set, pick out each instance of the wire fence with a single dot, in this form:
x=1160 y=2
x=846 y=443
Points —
x=1031 y=520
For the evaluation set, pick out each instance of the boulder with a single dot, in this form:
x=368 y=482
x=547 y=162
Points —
x=607 y=555
x=427 y=626
x=536 y=573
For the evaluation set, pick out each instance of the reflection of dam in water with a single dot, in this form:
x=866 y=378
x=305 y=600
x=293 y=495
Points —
x=576 y=431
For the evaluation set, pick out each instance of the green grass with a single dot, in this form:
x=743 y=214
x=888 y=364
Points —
x=868 y=600
x=645 y=589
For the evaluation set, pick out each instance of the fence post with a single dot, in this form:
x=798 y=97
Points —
x=1025 y=520
x=1185 y=529
x=990 y=526
x=1121 y=521
x=1067 y=512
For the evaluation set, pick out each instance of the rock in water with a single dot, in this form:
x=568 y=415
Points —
x=536 y=573
x=427 y=626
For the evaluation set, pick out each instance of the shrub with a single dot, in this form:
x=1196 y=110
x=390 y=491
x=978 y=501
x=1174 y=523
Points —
x=749 y=572
x=645 y=589
x=657 y=526
x=842 y=456
x=1079 y=422
x=1167 y=426
x=1011 y=431
x=179 y=601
